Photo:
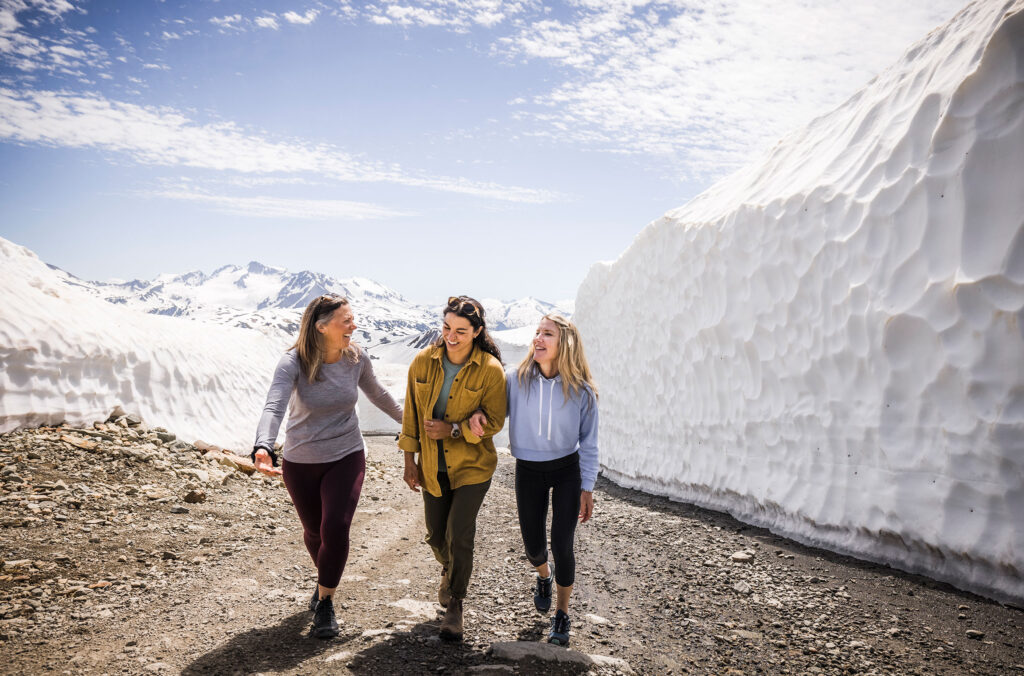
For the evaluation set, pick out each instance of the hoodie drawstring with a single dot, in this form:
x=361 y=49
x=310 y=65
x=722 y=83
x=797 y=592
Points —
x=540 y=408
x=551 y=399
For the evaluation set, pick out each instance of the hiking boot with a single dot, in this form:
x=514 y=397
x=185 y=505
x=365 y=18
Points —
x=444 y=592
x=324 y=624
x=451 y=625
x=316 y=599
x=542 y=596
x=559 y=634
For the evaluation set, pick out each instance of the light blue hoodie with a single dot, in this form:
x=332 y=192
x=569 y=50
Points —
x=544 y=426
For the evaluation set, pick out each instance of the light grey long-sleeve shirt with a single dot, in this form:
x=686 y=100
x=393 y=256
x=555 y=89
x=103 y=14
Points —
x=322 y=421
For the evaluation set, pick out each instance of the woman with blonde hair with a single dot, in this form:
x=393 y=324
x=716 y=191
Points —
x=552 y=408
x=323 y=461
x=448 y=381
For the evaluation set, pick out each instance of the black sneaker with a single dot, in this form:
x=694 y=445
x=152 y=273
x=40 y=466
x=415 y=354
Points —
x=324 y=624
x=559 y=634
x=542 y=596
x=316 y=599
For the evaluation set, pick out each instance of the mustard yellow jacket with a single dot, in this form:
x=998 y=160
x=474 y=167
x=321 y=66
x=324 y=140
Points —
x=480 y=384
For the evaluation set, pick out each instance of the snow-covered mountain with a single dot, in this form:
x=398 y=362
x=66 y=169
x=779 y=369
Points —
x=271 y=300
x=832 y=343
x=525 y=312
x=265 y=298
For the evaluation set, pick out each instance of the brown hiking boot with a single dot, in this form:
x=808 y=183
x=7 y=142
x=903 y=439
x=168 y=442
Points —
x=451 y=625
x=444 y=592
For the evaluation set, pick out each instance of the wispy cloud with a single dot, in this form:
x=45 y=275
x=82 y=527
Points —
x=710 y=82
x=267 y=22
x=459 y=16
x=232 y=22
x=305 y=19
x=277 y=207
x=66 y=51
x=167 y=137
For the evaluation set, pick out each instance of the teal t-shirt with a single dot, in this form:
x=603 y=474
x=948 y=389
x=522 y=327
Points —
x=450 y=371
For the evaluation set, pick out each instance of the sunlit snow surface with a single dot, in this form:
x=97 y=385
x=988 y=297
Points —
x=66 y=355
x=829 y=342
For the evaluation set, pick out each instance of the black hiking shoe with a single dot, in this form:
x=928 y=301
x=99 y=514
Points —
x=324 y=624
x=559 y=634
x=316 y=599
x=542 y=596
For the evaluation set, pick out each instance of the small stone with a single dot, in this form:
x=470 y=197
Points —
x=742 y=587
x=169 y=556
x=179 y=510
x=745 y=556
x=195 y=497
x=975 y=634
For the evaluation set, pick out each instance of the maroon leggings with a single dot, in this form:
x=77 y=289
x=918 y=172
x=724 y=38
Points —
x=325 y=495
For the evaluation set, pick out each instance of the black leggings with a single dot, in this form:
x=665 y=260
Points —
x=534 y=481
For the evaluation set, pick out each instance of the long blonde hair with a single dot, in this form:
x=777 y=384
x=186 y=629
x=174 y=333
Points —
x=310 y=344
x=571 y=361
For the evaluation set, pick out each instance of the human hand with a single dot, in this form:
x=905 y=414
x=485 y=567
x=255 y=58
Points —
x=264 y=465
x=477 y=422
x=586 y=506
x=437 y=429
x=412 y=477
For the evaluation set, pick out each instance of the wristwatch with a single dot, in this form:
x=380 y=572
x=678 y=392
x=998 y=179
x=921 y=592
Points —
x=456 y=431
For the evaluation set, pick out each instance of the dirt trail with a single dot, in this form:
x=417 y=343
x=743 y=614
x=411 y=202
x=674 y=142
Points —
x=106 y=572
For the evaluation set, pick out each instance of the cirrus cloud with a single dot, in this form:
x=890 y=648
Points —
x=163 y=136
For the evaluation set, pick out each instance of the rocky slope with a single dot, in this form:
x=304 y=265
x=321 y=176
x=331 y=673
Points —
x=127 y=551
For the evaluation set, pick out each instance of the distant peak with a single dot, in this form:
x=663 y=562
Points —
x=257 y=268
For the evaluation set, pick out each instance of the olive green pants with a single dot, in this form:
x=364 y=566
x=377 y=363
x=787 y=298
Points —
x=451 y=529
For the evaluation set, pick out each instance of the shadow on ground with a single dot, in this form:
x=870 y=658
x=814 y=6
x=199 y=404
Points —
x=283 y=646
x=419 y=651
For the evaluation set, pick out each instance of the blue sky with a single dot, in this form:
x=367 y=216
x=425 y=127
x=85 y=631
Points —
x=483 y=147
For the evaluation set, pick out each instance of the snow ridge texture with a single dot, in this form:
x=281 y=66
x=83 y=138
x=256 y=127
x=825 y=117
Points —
x=830 y=342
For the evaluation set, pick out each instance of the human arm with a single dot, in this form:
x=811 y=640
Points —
x=376 y=392
x=281 y=387
x=586 y=505
x=409 y=439
x=264 y=464
x=412 y=475
x=493 y=406
x=588 y=440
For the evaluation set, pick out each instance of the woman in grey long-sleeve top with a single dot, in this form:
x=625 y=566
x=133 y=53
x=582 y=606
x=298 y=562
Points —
x=323 y=461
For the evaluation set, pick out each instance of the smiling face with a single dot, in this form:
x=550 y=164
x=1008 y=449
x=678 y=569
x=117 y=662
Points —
x=458 y=334
x=545 y=345
x=337 y=331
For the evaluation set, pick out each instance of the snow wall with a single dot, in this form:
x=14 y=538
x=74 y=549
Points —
x=66 y=355
x=830 y=342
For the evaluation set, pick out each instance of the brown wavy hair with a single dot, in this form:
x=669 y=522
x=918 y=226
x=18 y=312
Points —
x=310 y=344
x=471 y=310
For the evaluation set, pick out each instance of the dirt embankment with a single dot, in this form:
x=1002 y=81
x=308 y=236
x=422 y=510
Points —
x=124 y=552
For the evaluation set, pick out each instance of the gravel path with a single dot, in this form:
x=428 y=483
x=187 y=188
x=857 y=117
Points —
x=136 y=556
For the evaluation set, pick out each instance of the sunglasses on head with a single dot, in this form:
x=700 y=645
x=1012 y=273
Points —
x=461 y=306
x=324 y=301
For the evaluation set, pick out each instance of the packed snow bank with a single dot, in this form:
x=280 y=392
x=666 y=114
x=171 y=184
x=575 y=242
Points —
x=66 y=355
x=830 y=343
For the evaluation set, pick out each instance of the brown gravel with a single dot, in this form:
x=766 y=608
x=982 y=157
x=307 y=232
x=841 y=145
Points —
x=132 y=557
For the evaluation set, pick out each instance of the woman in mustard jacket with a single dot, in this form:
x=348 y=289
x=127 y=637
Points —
x=448 y=381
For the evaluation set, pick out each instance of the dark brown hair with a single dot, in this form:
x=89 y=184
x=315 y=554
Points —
x=471 y=310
